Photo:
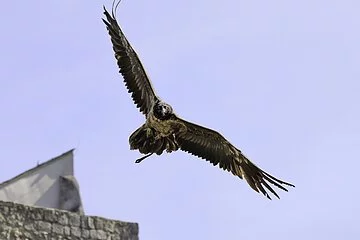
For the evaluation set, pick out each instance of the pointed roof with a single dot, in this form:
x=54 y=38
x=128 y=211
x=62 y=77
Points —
x=30 y=171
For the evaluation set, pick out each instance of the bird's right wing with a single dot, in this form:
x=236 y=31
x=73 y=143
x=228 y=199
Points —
x=135 y=77
x=213 y=147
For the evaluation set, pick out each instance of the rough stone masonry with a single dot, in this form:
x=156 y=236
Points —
x=20 y=222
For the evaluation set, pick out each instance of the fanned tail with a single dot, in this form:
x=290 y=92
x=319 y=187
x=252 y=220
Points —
x=145 y=139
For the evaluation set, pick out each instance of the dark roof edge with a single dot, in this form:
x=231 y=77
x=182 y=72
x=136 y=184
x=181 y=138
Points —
x=35 y=168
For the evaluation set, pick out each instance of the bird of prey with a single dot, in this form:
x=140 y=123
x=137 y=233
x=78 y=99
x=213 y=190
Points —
x=163 y=130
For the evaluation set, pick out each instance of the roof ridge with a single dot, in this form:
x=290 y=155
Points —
x=3 y=184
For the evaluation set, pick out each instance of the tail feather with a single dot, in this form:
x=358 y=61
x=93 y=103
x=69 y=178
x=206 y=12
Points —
x=145 y=139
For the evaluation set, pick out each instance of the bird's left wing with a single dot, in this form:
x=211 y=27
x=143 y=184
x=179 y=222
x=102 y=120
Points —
x=135 y=77
x=213 y=147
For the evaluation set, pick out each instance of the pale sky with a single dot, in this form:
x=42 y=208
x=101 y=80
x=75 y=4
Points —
x=279 y=79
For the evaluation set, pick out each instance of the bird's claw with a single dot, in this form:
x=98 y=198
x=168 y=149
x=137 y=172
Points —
x=142 y=158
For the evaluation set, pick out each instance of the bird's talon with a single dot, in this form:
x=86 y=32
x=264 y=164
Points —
x=142 y=158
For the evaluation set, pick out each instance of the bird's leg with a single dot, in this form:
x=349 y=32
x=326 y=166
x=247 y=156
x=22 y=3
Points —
x=149 y=132
x=174 y=139
x=152 y=135
x=142 y=158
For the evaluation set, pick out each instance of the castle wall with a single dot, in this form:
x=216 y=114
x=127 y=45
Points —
x=20 y=222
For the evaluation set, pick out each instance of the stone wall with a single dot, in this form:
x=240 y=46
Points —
x=20 y=222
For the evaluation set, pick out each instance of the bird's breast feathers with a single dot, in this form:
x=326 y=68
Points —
x=165 y=127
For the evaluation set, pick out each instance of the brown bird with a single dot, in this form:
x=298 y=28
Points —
x=164 y=130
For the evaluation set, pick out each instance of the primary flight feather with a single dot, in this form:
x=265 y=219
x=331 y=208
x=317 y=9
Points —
x=164 y=131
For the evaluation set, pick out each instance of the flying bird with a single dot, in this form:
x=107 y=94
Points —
x=163 y=130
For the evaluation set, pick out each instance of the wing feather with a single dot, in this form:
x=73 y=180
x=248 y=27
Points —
x=213 y=147
x=134 y=74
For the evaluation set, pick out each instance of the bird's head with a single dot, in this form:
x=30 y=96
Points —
x=162 y=111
